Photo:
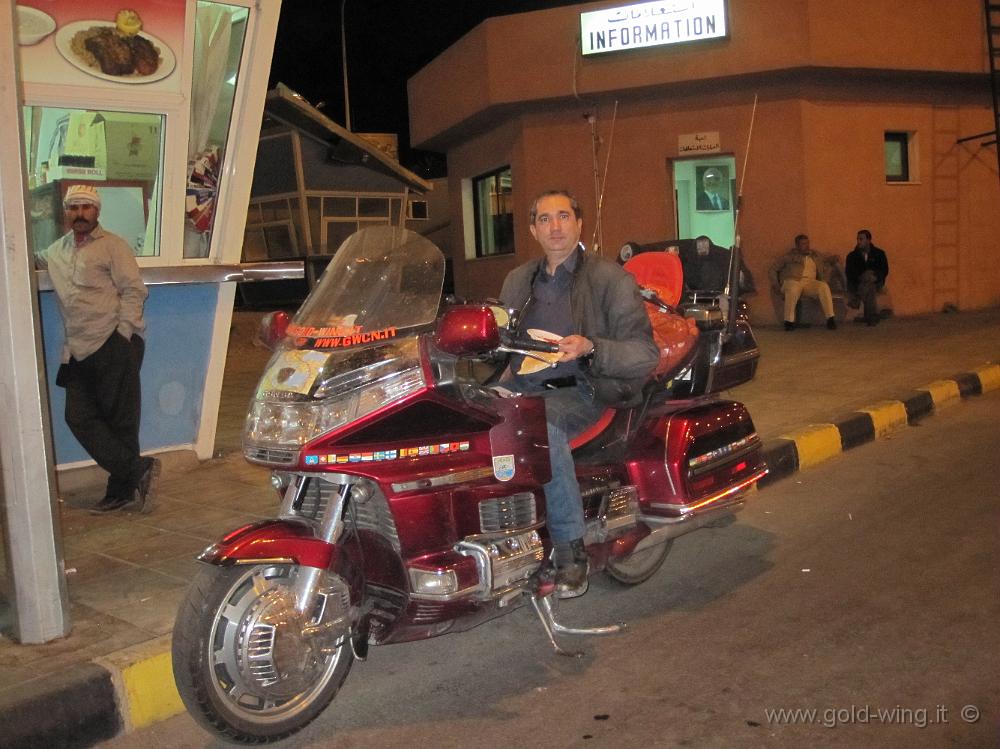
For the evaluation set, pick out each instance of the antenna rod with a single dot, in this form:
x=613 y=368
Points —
x=592 y=119
x=732 y=290
x=598 y=226
x=343 y=54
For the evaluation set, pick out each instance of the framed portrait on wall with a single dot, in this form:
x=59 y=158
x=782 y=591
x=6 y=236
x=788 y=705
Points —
x=713 y=193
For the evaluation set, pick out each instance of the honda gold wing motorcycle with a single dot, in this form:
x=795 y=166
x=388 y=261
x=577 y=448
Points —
x=410 y=488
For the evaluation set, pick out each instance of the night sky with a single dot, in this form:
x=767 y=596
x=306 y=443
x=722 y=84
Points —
x=387 y=42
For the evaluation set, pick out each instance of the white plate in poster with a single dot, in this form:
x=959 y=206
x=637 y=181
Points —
x=64 y=43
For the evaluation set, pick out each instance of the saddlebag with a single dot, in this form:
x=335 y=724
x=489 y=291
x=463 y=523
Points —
x=711 y=454
x=722 y=361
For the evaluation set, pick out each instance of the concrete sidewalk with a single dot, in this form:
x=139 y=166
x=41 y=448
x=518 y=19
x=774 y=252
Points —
x=817 y=393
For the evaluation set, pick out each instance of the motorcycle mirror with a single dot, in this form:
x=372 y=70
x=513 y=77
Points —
x=468 y=330
x=273 y=327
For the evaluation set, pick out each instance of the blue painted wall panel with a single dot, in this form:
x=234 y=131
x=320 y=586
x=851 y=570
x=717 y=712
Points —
x=179 y=320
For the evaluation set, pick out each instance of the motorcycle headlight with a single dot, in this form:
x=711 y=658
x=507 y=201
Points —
x=291 y=424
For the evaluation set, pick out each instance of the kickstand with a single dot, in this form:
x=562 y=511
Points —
x=543 y=607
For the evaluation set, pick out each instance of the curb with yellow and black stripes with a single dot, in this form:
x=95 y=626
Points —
x=816 y=443
x=125 y=691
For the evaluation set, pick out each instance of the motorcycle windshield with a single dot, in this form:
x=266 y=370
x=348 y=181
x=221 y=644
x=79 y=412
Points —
x=383 y=281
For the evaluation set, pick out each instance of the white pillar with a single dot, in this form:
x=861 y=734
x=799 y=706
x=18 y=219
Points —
x=31 y=522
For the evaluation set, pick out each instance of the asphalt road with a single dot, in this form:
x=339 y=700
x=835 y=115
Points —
x=863 y=593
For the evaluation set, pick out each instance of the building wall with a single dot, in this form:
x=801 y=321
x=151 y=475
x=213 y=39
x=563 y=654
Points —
x=531 y=57
x=814 y=163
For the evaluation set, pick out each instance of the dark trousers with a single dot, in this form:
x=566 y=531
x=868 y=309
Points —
x=866 y=292
x=103 y=401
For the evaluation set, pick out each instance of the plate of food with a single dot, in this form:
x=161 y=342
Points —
x=540 y=360
x=103 y=50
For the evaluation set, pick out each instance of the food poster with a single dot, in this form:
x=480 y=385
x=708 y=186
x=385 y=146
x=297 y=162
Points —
x=102 y=43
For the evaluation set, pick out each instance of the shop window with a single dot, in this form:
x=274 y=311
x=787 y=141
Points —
x=340 y=207
x=120 y=153
x=337 y=232
x=274 y=230
x=900 y=161
x=219 y=35
x=343 y=215
x=492 y=205
x=373 y=207
x=417 y=210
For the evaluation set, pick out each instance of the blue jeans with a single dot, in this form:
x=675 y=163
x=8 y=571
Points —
x=568 y=412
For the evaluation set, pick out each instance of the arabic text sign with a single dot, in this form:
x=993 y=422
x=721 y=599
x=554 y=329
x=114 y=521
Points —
x=698 y=143
x=652 y=24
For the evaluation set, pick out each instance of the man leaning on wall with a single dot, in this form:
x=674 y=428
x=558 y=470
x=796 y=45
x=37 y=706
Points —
x=101 y=297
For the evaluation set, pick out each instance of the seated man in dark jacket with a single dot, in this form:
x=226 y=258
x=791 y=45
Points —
x=592 y=307
x=866 y=267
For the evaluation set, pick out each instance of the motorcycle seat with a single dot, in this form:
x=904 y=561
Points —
x=593 y=430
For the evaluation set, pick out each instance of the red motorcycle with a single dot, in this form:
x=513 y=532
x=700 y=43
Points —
x=411 y=489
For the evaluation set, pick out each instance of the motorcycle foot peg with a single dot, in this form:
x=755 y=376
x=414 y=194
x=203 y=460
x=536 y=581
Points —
x=566 y=594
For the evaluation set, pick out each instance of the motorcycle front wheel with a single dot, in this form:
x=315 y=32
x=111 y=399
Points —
x=247 y=665
x=638 y=566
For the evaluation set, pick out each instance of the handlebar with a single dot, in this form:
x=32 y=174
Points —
x=530 y=344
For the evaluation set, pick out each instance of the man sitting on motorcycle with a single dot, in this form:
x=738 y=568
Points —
x=593 y=307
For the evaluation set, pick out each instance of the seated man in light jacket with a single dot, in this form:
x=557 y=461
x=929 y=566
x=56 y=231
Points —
x=803 y=271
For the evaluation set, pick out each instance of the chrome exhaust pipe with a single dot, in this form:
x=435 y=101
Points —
x=665 y=529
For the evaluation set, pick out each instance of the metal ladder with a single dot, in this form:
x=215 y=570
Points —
x=992 y=10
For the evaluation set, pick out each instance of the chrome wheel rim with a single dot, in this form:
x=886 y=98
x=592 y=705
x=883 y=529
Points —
x=259 y=669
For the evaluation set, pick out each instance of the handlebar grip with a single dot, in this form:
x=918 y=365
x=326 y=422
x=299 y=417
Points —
x=530 y=344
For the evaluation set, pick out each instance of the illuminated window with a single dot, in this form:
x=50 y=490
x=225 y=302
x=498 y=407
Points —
x=119 y=153
x=897 y=157
x=493 y=207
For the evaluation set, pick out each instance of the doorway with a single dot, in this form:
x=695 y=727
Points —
x=705 y=195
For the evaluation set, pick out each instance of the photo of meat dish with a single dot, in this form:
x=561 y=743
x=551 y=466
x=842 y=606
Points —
x=112 y=52
x=145 y=56
x=103 y=50
x=116 y=54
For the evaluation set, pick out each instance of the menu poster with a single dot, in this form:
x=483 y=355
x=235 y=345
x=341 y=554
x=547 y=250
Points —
x=102 y=43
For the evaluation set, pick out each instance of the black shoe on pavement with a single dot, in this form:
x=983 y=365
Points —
x=145 y=491
x=789 y=325
x=831 y=323
x=111 y=504
x=571 y=565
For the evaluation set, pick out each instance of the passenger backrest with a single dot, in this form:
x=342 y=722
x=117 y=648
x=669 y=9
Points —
x=660 y=272
x=675 y=335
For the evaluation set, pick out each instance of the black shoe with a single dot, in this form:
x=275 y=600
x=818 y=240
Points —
x=145 y=491
x=789 y=325
x=831 y=323
x=112 y=504
x=872 y=320
x=571 y=569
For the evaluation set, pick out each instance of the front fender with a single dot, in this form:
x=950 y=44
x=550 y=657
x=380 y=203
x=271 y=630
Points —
x=272 y=540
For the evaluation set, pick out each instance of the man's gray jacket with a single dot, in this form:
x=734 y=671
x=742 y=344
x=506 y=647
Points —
x=607 y=309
